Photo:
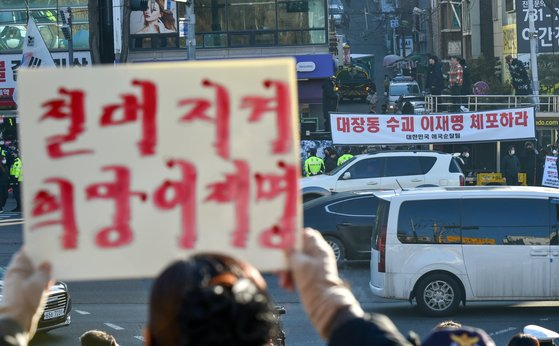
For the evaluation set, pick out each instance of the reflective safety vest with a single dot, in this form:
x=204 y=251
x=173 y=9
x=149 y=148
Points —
x=313 y=166
x=15 y=170
x=344 y=158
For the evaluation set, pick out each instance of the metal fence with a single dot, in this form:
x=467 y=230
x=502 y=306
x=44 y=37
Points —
x=450 y=103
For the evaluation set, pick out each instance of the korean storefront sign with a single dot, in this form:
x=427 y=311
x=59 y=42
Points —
x=130 y=167
x=494 y=125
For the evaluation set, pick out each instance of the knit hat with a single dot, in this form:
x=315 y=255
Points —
x=465 y=336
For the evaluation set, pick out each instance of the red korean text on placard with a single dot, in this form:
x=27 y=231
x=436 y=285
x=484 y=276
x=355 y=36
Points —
x=183 y=195
x=358 y=124
x=521 y=118
x=70 y=106
x=457 y=122
x=236 y=189
x=427 y=123
x=131 y=106
x=393 y=124
x=222 y=106
x=119 y=233
x=45 y=203
x=280 y=105
x=477 y=121
x=373 y=124
x=270 y=186
x=491 y=121
x=342 y=124
x=408 y=124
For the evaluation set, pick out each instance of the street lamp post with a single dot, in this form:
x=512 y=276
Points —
x=533 y=53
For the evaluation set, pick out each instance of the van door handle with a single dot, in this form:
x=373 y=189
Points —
x=539 y=253
x=372 y=183
x=416 y=180
x=346 y=224
x=555 y=253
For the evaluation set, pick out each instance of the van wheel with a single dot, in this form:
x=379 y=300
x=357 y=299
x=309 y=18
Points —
x=337 y=247
x=438 y=295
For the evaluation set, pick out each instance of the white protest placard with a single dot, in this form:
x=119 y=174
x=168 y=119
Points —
x=550 y=177
x=130 y=167
x=494 y=125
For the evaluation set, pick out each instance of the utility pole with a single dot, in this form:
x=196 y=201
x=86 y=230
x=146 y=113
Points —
x=191 y=27
x=533 y=53
x=66 y=17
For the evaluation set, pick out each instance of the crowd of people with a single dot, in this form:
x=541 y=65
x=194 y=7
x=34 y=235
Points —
x=527 y=160
x=212 y=299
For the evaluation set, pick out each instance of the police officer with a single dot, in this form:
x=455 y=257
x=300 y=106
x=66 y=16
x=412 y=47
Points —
x=313 y=165
x=346 y=156
x=16 y=176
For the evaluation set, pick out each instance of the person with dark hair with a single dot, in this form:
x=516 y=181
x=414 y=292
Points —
x=210 y=299
x=455 y=80
x=346 y=156
x=528 y=163
x=464 y=159
x=510 y=167
x=434 y=83
x=330 y=159
x=466 y=81
x=453 y=336
x=97 y=338
x=519 y=76
x=521 y=339
x=313 y=165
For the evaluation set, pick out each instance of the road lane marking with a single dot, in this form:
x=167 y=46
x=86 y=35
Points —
x=114 y=326
x=81 y=312
x=139 y=337
x=502 y=331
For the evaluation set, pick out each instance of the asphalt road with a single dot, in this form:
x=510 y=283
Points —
x=120 y=307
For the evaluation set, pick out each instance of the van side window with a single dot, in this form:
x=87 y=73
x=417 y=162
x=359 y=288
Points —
x=505 y=221
x=398 y=166
x=427 y=162
x=380 y=222
x=430 y=222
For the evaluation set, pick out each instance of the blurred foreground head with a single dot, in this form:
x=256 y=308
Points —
x=458 y=336
x=210 y=300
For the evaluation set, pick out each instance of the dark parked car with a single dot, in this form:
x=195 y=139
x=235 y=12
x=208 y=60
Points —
x=57 y=310
x=345 y=220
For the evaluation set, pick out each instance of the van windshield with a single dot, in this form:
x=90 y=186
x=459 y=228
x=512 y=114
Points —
x=380 y=222
x=404 y=89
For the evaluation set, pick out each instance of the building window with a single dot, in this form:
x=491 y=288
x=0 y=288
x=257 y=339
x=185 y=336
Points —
x=14 y=16
x=249 y=23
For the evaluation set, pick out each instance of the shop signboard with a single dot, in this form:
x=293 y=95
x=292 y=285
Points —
x=128 y=168
x=9 y=64
x=546 y=21
x=550 y=177
x=493 y=125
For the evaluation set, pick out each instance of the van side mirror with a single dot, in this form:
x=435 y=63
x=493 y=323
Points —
x=346 y=176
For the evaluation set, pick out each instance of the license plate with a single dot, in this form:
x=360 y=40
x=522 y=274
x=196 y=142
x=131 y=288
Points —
x=53 y=314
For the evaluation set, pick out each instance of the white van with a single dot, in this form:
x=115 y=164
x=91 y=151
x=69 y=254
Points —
x=443 y=246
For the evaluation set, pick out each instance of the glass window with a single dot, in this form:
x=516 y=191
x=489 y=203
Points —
x=430 y=222
x=252 y=15
x=356 y=206
x=292 y=16
x=380 y=222
x=264 y=38
x=505 y=221
x=426 y=162
x=364 y=169
x=210 y=15
x=239 y=40
x=454 y=167
x=42 y=3
x=398 y=166
x=404 y=89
